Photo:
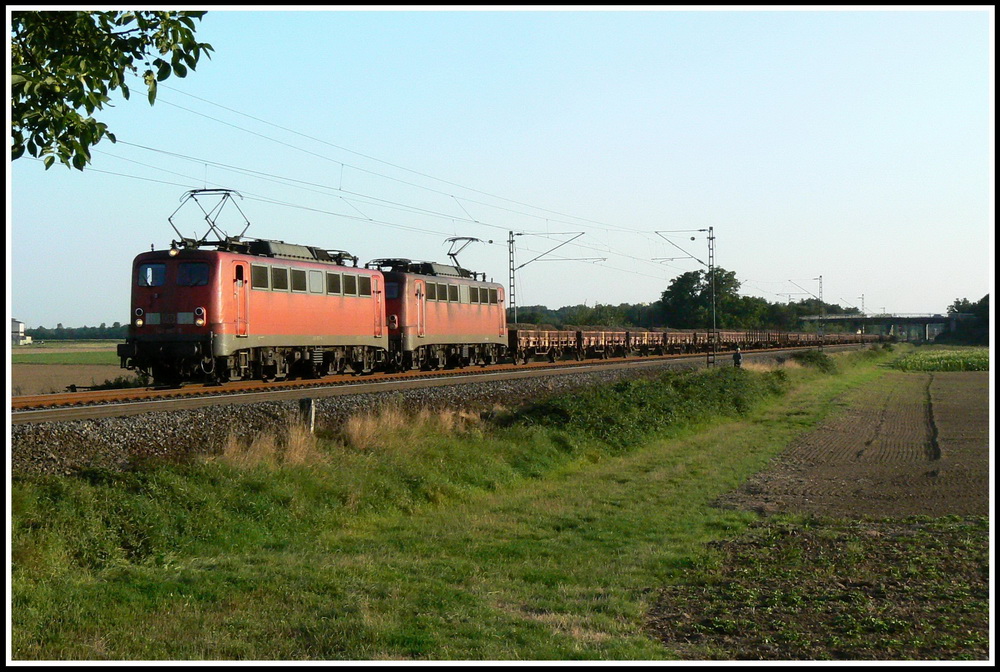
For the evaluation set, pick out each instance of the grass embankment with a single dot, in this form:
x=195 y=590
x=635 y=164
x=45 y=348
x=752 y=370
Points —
x=541 y=534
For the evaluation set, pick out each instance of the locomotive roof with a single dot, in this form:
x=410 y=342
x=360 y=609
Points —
x=421 y=268
x=275 y=248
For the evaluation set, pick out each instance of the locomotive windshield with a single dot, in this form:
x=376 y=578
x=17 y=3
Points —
x=151 y=275
x=192 y=274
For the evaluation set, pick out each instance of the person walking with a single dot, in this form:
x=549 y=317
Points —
x=737 y=358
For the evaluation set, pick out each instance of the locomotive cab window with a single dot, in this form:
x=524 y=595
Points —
x=333 y=285
x=350 y=285
x=442 y=292
x=392 y=290
x=364 y=285
x=493 y=295
x=453 y=293
x=192 y=274
x=259 y=277
x=279 y=279
x=315 y=282
x=151 y=275
x=431 y=293
x=298 y=280
x=473 y=294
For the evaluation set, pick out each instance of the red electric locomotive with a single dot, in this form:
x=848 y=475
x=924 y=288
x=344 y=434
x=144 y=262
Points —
x=440 y=315
x=253 y=309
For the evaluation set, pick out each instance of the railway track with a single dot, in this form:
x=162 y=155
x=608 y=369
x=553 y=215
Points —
x=130 y=401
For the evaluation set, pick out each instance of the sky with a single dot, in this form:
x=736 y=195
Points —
x=843 y=151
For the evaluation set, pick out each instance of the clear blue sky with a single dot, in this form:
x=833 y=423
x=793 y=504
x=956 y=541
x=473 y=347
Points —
x=853 y=145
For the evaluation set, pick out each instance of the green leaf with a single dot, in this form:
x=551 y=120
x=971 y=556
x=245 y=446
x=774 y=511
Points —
x=162 y=69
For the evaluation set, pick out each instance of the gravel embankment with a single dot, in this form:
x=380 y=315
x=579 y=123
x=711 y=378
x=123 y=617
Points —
x=121 y=443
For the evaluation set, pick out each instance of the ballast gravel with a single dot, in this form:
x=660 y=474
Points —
x=125 y=442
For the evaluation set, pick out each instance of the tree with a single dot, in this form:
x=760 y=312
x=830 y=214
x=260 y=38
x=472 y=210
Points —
x=961 y=306
x=62 y=62
x=683 y=303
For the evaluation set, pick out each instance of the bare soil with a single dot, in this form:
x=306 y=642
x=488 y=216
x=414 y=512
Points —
x=909 y=444
x=29 y=379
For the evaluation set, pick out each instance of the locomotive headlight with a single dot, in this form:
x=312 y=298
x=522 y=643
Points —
x=138 y=322
x=199 y=316
x=138 y=312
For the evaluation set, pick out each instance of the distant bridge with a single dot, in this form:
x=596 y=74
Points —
x=901 y=325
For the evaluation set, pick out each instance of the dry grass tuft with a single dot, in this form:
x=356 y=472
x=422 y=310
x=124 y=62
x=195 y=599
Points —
x=291 y=445
x=393 y=425
x=768 y=366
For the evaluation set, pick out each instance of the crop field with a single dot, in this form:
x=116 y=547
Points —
x=946 y=359
x=49 y=367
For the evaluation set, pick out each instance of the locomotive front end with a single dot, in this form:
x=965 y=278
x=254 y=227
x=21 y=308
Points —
x=175 y=302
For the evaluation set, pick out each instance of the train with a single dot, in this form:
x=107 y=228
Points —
x=268 y=310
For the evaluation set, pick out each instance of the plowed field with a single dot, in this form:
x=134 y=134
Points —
x=909 y=444
x=27 y=379
x=898 y=566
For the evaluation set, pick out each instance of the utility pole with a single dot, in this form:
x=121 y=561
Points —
x=511 y=296
x=822 y=314
x=863 y=313
x=710 y=357
x=822 y=307
x=511 y=267
x=713 y=338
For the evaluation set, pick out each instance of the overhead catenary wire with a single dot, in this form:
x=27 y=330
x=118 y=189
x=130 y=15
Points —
x=355 y=200
x=325 y=189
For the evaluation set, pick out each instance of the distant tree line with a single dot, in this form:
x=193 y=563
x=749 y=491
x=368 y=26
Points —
x=972 y=332
x=116 y=331
x=687 y=304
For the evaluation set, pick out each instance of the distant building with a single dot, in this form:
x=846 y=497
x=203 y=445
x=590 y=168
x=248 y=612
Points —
x=17 y=336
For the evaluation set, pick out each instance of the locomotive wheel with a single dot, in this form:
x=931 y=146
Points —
x=165 y=376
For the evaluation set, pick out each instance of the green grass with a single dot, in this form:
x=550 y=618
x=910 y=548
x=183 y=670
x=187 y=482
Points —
x=542 y=536
x=944 y=358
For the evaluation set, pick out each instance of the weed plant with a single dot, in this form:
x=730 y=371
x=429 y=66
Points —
x=816 y=359
x=122 y=382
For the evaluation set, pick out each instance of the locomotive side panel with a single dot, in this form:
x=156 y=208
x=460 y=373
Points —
x=446 y=311
x=308 y=305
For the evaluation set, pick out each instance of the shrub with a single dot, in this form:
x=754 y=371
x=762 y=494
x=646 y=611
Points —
x=816 y=359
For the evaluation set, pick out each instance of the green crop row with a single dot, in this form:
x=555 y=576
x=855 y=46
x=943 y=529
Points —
x=950 y=359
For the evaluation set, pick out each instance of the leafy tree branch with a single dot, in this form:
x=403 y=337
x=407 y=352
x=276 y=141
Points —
x=64 y=64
